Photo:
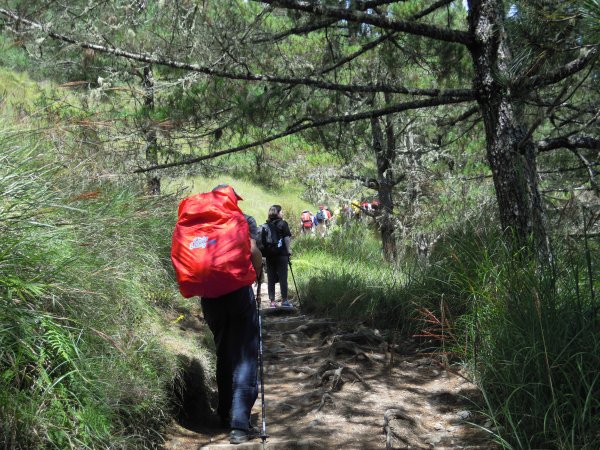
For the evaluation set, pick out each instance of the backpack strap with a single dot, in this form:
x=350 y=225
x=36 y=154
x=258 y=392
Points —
x=263 y=235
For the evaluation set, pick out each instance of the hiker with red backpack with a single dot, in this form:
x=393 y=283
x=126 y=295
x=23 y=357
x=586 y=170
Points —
x=307 y=225
x=274 y=241
x=215 y=256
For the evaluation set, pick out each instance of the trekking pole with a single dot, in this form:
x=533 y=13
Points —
x=263 y=434
x=294 y=279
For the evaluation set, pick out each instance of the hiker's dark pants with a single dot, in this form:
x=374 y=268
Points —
x=277 y=268
x=233 y=320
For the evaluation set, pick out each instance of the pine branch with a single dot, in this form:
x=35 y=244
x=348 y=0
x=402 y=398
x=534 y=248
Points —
x=467 y=94
x=365 y=48
x=563 y=72
x=454 y=120
x=346 y=118
x=385 y=22
x=310 y=27
x=590 y=169
x=305 y=29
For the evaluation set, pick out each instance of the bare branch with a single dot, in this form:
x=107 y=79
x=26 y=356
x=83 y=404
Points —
x=454 y=120
x=385 y=22
x=367 y=182
x=467 y=94
x=347 y=118
x=590 y=169
x=569 y=142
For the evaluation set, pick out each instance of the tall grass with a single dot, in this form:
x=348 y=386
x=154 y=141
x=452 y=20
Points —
x=80 y=272
x=536 y=353
x=345 y=276
x=530 y=338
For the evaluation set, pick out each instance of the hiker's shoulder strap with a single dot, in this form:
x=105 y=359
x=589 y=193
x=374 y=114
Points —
x=252 y=226
x=285 y=229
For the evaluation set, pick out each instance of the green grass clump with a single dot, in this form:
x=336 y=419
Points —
x=345 y=276
x=530 y=335
x=80 y=273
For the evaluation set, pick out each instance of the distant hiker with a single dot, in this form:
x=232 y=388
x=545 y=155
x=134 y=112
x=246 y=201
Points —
x=329 y=214
x=275 y=237
x=307 y=225
x=346 y=214
x=322 y=220
x=356 y=211
x=215 y=256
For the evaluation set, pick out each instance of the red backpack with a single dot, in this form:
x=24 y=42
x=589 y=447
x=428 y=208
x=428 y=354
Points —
x=306 y=219
x=211 y=245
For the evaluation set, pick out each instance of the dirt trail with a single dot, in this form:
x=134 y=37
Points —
x=327 y=387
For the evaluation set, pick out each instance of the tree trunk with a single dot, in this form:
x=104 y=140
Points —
x=510 y=151
x=384 y=154
x=153 y=180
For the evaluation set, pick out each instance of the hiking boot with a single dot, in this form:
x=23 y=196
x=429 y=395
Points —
x=273 y=304
x=287 y=304
x=240 y=436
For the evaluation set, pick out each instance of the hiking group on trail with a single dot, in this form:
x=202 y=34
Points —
x=318 y=223
x=217 y=252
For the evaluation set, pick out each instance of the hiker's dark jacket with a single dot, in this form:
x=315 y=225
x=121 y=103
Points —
x=283 y=229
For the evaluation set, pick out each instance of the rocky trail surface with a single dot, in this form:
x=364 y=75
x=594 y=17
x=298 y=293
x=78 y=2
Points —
x=334 y=387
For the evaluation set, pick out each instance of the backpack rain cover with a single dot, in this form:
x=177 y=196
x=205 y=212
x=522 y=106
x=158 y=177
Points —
x=210 y=250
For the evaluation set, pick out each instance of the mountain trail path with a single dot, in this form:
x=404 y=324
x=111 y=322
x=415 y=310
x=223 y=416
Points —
x=329 y=386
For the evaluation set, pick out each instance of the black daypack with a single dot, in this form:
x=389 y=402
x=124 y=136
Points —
x=321 y=216
x=269 y=241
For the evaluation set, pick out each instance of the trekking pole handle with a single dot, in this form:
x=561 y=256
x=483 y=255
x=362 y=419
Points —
x=258 y=284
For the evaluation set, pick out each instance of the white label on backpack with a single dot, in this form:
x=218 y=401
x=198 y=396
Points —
x=199 y=242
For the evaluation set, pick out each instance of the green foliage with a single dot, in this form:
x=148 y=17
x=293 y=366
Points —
x=12 y=55
x=80 y=365
x=257 y=199
x=531 y=337
x=345 y=276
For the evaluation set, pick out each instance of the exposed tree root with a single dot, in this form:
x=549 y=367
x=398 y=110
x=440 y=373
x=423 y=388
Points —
x=344 y=347
x=333 y=371
x=326 y=398
x=399 y=431
x=364 y=336
x=305 y=370
x=313 y=327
